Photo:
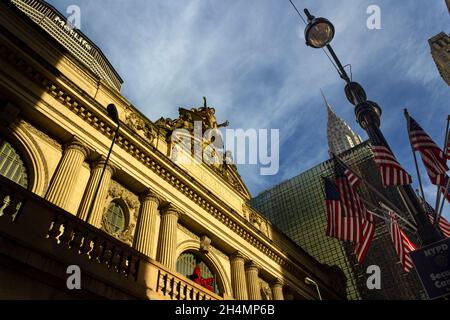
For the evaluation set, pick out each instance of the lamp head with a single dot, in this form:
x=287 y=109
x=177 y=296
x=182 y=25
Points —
x=112 y=112
x=308 y=280
x=319 y=32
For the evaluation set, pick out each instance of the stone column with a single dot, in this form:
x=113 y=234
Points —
x=99 y=205
x=148 y=229
x=66 y=175
x=277 y=290
x=289 y=294
x=167 y=240
x=238 y=280
x=253 y=287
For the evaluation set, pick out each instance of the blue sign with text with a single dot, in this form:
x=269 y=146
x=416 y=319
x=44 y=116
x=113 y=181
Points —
x=433 y=267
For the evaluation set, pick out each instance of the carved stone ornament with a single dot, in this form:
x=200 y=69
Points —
x=117 y=191
x=140 y=126
x=205 y=244
x=127 y=235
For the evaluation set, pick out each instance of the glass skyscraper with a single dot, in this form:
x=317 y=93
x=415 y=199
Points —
x=297 y=207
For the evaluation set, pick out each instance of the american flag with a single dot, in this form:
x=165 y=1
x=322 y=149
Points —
x=347 y=182
x=433 y=157
x=448 y=148
x=442 y=181
x=444 y=225
x=442 y=188
x=338 y=225
x=392 y=173
x=352 y=204
x=403 y=246
x=368 y=231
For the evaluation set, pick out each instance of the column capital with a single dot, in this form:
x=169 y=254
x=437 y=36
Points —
x=100 y=162
x=251 y=265
x=237 y=255
x=150 y=195
x=76 y=144
x=277 y=282
x=169 y=208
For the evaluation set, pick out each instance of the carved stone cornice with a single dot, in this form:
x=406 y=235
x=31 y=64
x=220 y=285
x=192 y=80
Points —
x=163 y=170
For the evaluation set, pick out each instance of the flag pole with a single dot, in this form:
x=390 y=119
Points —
x=371 y=187
x=383 y=217
x=441 y=207
x=414 y=154
x=385 y=207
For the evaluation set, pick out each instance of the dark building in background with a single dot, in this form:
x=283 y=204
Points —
x=297 y=207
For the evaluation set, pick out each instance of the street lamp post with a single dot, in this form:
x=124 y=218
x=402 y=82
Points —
x=319 y=33
x=113 y=114
x=310 y=281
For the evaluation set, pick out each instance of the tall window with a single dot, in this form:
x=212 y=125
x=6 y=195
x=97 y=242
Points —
x=11 y=164
x=192 y=266
x=115 y=218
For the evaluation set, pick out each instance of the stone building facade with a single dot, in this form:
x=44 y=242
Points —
x=152 y=220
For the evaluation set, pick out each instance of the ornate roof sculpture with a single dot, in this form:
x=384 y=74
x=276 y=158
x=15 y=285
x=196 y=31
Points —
x=210 y=131
x=339 y=134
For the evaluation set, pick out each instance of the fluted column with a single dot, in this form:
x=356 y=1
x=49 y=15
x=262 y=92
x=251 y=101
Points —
x=167 y=240
x=66 y=175
x=99 y=205
x=238 y=280
x=277 y=290
x=147 y=230
x=253 y=287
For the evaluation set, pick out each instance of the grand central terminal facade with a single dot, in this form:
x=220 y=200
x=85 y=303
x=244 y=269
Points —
x=157 y=229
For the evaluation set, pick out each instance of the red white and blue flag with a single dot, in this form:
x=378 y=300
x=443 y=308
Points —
x=392 y=173
x=444 y=225
x=403 y=246
x=338 y=225
x=360 y=218
x=434 y=159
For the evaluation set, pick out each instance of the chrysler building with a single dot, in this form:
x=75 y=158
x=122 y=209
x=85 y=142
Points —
x=339 y=134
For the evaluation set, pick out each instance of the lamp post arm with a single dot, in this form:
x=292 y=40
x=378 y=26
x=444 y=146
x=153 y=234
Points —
x=91 y=207
x=342 y=71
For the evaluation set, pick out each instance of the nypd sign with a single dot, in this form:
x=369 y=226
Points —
x=432 y=264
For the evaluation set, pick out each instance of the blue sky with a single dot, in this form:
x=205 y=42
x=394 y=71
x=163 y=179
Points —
x=249 y=59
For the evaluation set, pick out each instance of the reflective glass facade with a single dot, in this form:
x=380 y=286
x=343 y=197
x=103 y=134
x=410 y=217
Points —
x=297 y=207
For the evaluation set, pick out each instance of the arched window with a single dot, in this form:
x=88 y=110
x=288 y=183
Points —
x=192 y=266
x=115 y=218
x=11 y=164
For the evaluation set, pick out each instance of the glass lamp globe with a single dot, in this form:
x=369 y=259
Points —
x=319 y=32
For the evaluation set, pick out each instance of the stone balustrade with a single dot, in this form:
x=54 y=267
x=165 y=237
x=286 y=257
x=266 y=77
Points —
x=175 y=287
x=39 y=235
